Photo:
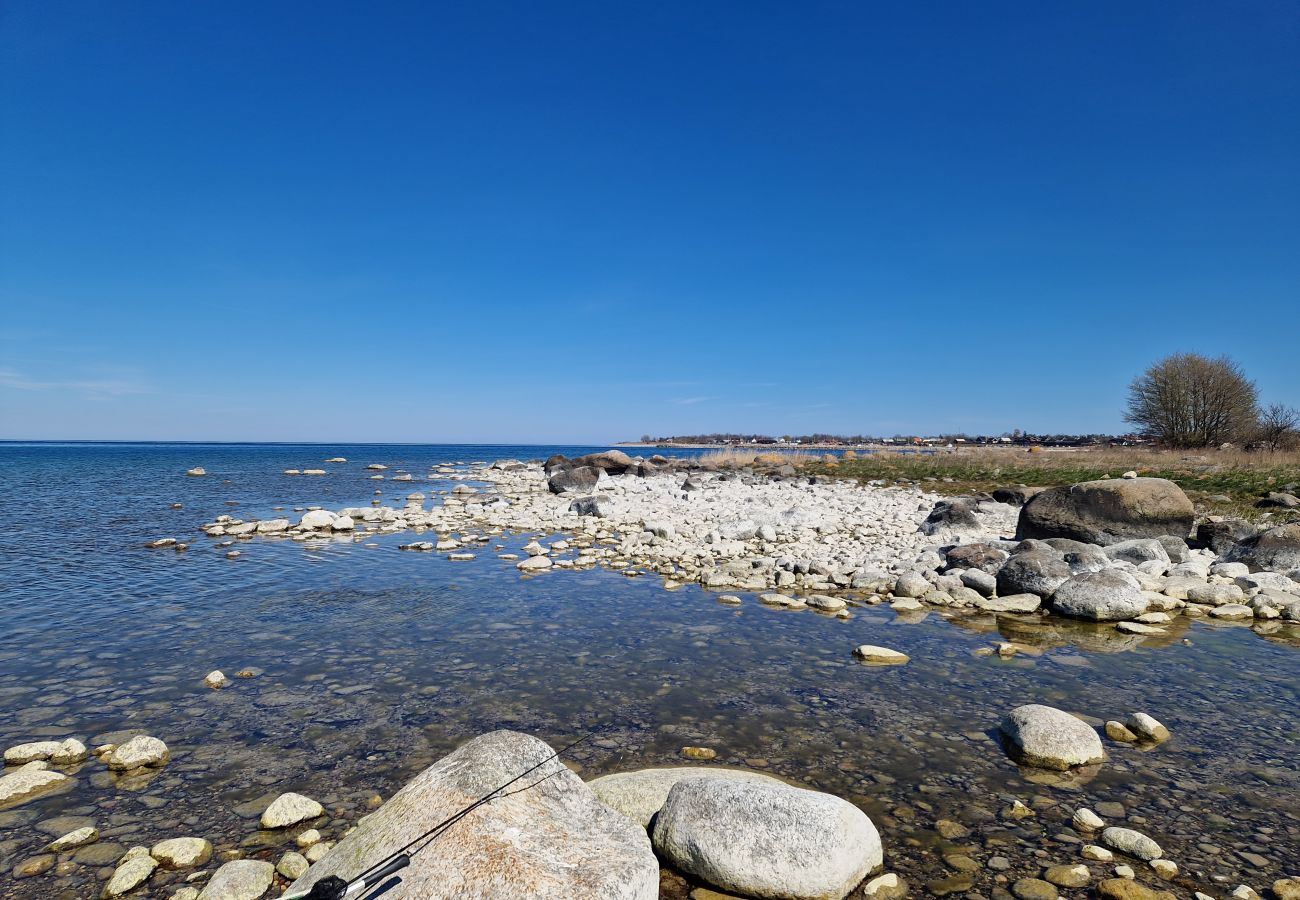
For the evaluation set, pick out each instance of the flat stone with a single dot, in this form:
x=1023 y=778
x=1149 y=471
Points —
x=74 y=839
x=880 y=655
x=27 y=783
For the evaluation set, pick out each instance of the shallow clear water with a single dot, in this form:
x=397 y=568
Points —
x=372 y=662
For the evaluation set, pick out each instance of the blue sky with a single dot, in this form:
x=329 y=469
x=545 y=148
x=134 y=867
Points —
x=546 y=222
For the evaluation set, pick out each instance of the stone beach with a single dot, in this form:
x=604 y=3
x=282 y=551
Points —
x=750 y=538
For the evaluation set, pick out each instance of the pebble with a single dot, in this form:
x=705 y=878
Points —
x=1085 y=819
x=1098 y=854
x=1165 y=868
x=1075 y=876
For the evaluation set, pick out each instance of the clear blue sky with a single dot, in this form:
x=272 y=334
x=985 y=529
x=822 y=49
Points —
x=488 y=221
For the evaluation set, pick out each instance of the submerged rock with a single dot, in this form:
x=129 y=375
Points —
x=1050 y=738
x=553 y=841
x=766 y=840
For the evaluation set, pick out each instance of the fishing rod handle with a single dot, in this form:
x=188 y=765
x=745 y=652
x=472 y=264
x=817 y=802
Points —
x=396 y=864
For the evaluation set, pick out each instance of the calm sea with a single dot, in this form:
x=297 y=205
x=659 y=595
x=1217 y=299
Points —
x=368 y=663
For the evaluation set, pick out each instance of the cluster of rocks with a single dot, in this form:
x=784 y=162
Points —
x=1115 y=550
x=33 y=770
x=738 y=831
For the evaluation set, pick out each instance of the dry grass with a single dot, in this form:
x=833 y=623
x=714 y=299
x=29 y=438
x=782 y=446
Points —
x=1227 y=482
x=730 y=458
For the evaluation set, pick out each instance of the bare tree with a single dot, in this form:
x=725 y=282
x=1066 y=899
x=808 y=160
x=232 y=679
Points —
x=1189 y=400
x=1278 y=428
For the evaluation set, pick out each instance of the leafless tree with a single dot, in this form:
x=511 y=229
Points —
x=1189 y=400
x=1278 y=428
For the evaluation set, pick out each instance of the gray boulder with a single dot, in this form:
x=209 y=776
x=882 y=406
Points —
x=985 y=557
x=766 y=840
x=1105 y=596
x=1224 y=535
x=597 y=505
x=1138 y=550
x=1276 y=550
x=612 y=462
x=957 y=514
x=1108 y=511
x=1175 y=547
x=1032 y=572
x=1016 y=496
x=640 y=795
x=1049 y=738
x=554 y=840
x=580 y=480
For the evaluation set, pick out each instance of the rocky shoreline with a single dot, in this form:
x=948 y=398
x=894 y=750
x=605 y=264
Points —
x=796 y=543
x=1119 y=550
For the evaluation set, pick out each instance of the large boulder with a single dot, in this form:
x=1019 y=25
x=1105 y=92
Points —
x=1033 y=572
x=555 y=463
x=1108 y=511
x=552 y=840
x=640 y=795
x=1224 y=535
x=1105 y=596
x=766 y=840
x=1275 y=550
x=613 y=462
x=1049 y=738
x=580 y=480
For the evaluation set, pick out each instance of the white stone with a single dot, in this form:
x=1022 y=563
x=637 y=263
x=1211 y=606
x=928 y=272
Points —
x=290 y=809
x=880 y=655
x=140 y=750
x=182 y=852
x=766 y=840
x=241 y=879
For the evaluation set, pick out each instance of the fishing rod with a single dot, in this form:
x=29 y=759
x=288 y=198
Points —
x=335 y=888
